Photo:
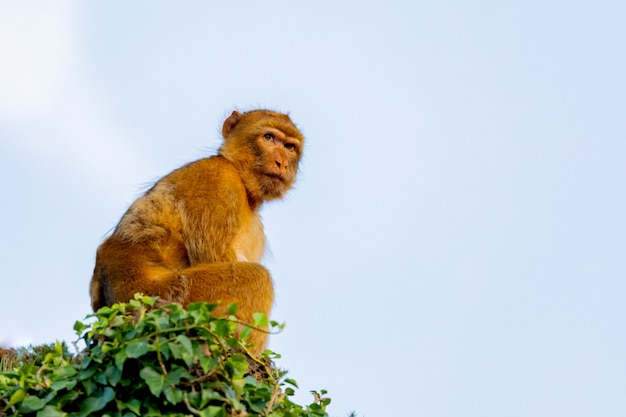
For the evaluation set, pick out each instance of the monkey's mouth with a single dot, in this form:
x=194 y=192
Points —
x=274 y=177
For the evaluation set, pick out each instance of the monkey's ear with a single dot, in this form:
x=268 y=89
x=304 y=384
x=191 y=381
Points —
x=230 y=123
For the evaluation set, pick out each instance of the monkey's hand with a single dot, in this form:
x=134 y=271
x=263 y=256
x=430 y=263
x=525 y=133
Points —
x=179 y=290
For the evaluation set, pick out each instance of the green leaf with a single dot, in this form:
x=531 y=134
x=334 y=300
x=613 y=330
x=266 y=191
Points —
x=50 y=411
x=184 y=340
x=149 y=300
x=120 y=357
x=137 y=349
x=232 y=342
x=199 y=400
x=90 y=386
x=16 y=397
x=66 y=398
x=87 y=373
x=134 y=405
x=260 y=320
x=291 y=382
x=135 y=303
x=244 y=334
x=237 y=384
x=237 y=364
x=32 y=403
x=113 y=374
x=188 y=355
x=176 y=350
x=63 y=372
x=173 y=395
x=63 y=384
x=163 y=348
x=96 y=403
x=174 y=376
x=79 y=327
x=208 y=363
x=280 y=326
x=258 y=406
x=153 y=379
x=213 y=411
x=223 y=328
x=232 y=309
x=101 y=378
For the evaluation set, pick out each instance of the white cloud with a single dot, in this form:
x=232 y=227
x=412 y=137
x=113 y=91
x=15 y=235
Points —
x=37 y=49
x=47 y=99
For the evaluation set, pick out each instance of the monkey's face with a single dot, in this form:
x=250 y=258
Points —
x=277 y=157
x=266 y=147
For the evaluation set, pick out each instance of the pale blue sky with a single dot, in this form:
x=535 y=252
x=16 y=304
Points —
x=456 y=243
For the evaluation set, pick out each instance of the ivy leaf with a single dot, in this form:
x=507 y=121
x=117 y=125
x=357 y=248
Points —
x=260 y=320
x=174 y=376
x=66 y=398
x=96 y=403
x=258 y=406
x=188 y=355
x=208 y=363
x=244 y=334
x=153 y=379
x=33 y=403
x=223 y=328
x=50 y=411
x=213 y=411
x=134 y=405
x=113 y=375
x=291 y=382
x=79 y=327
x=278 y=325
x=16 y=397
x=137 y=349
x=63 y=384
x=173 y=395
x=176 y=350
x=120 y=357
x=64 y=372
x=148 y=300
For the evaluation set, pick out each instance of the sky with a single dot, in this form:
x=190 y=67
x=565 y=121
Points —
x=456 y=242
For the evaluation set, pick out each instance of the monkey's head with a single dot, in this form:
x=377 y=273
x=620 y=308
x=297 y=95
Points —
x=266 y=147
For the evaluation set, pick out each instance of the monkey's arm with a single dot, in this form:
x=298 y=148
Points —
x=213 y=205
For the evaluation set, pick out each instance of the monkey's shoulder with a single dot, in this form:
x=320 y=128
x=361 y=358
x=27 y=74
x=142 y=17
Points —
x=213 y=177
x=215 y=166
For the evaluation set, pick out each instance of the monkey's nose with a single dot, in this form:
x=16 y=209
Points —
x=281 y=165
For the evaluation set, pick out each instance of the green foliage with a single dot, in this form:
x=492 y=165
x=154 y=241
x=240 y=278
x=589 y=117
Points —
x=17 y=357
x=146 y=361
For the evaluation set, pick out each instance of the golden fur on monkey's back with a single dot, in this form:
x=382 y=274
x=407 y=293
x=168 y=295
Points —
x=170 y=227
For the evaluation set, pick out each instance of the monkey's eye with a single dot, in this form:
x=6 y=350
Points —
x=268 y=137
x=290 y=146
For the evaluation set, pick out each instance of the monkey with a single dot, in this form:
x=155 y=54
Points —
x=196 y=235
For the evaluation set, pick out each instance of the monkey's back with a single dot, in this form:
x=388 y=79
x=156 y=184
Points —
x=185 y=219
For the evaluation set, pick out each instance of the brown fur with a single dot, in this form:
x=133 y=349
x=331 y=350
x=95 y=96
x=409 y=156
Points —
x=196 y=235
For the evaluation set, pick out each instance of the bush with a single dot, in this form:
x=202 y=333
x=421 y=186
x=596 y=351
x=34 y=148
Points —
x=146 y=361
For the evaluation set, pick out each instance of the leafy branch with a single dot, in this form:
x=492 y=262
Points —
x=144 y=358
